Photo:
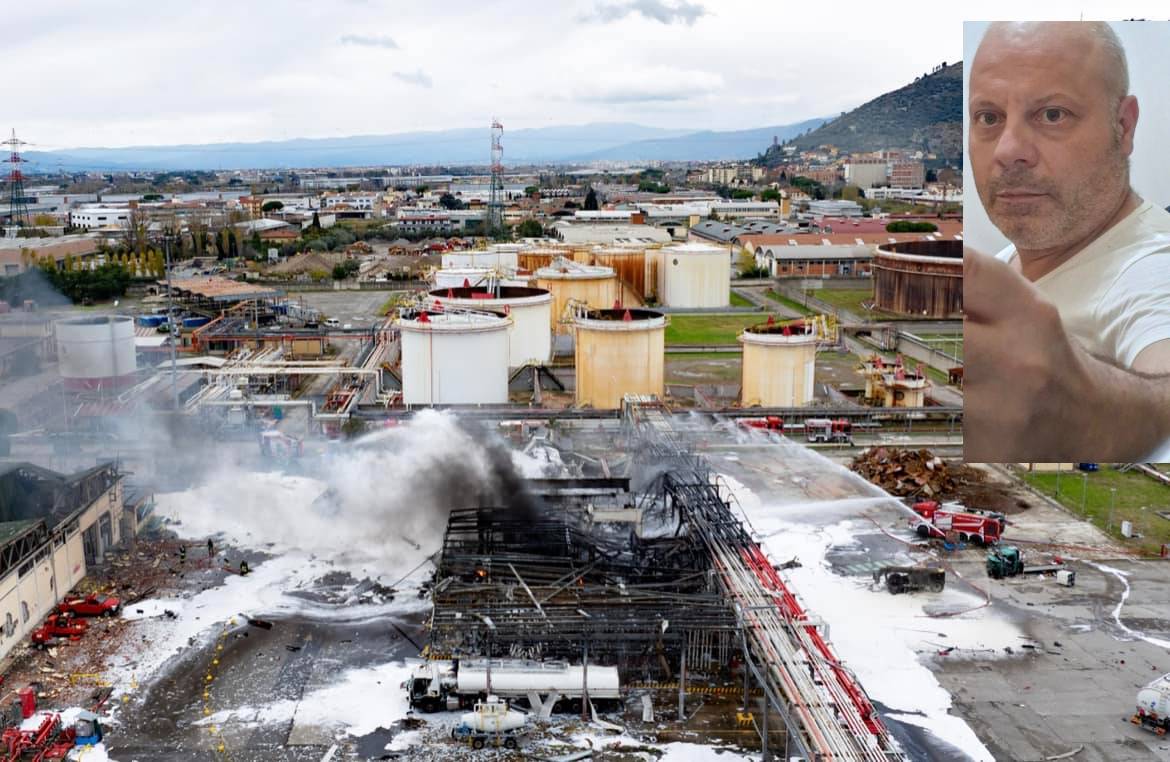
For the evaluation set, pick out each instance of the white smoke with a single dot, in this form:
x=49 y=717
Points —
x=379 y=507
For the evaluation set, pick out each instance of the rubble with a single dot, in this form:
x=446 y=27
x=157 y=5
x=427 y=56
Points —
x=914 y=473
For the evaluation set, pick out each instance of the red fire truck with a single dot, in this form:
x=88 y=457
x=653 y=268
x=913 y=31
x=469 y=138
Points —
x=828 y=430
x=977 y=527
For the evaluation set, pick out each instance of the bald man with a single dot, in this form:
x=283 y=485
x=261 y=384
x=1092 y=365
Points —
x=1068 y=329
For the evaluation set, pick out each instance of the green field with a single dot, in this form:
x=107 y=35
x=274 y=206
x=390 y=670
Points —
x=709 y=329
x=944 y=342
x=1136 y=500
x=781 y=299
x=739 y=301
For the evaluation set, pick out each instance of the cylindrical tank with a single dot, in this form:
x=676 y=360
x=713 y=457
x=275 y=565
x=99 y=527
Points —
x=567 y=280
x=497 y=255
x=96 y=352
x=513 y=678
x=472 y=276
x=629 y=263
x=454 y=358
x=694 y=275
x=618 y=352
x=778 y=365
x=529 y=308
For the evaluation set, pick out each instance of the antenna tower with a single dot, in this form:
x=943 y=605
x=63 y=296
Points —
x=17 y=202
x=495 y=210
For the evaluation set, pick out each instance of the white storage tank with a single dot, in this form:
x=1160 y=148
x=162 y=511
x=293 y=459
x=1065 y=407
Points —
x=454 y=358
x=567 y=280
x=529 y=308
x=694 y=275
x=618 y=352
x=475 y=276
x=500 y=255
x=96 y=352
x=779 y=364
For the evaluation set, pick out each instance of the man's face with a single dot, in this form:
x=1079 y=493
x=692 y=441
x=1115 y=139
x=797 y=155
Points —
x=1048 y=151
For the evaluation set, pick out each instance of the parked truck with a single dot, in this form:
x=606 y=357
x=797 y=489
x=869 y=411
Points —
x=977 y=527
x=458 y=684
x=837 y=430
x=1153 y=706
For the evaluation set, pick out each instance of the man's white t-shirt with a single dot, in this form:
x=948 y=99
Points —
x=1114 y=295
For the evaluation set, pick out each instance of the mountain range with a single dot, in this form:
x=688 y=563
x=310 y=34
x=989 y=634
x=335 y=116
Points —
x=468 y=146
x=925 y=115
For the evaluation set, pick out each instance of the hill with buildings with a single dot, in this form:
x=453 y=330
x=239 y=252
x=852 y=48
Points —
x=925 y=115
x=469 y=146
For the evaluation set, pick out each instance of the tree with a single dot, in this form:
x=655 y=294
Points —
x=531 y=190
x=339 y=272
x=44 y=220
x=591 y=200
x=255 y=241
x=771 y=194
x=911 y=226
x=529 y=228
x=448 y=201
x=233 y=244
x=316 y=223
x=741 y=194
x=271 y=206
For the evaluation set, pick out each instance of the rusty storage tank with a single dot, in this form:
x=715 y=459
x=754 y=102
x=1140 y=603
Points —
x=568 y=281
x=529 y=308
x=921 y=278
x=631 y=265
x=618 y=352
x=779 y=364
x=454 y=358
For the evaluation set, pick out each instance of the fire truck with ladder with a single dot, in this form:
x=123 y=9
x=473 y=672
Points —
x=976 y=527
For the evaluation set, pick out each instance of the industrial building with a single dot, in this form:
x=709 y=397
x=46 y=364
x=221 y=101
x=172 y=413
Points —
x=52 y=529
x=923 y=278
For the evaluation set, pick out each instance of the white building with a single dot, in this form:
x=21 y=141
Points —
x=758 y=209
x=91 y=216
x=866 y=173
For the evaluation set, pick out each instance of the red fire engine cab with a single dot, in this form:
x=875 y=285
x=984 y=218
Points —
x=977 y=527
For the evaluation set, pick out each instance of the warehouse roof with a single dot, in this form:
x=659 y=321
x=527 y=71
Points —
x=221 y=289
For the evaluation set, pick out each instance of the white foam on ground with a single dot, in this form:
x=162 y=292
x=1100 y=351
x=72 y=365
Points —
x=152 y=607
x=1124 y=577
x=882 y=638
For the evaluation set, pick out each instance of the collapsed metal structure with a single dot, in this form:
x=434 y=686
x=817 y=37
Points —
x=579 y=582
x=648 y=576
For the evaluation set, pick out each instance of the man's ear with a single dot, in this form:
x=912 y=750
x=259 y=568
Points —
x=1127 y=117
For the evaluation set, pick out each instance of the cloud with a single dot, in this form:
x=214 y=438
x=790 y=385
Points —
x=655 y=10
x=369 y=41
x=654 y=85
x=417 y=77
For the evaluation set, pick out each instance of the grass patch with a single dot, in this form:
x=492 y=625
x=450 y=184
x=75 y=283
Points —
x=740 y=301
x=944 y=342
x=709 y=329
x=1135 y=492
x=670 y=356
x=797 y=307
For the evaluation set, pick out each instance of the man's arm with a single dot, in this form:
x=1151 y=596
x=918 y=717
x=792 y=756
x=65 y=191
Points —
x=1154 y=360
x=1033 y=394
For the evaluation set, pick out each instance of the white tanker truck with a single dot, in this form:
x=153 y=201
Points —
x=437 y=685
x=1153 y=706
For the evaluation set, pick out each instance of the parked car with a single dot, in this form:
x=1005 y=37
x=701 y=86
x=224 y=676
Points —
x=93 y=604
x=58 y=626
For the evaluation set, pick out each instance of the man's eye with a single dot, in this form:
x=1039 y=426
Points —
x=987 y=118
x=1053 y=115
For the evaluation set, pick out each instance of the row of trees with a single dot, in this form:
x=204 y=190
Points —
x=104 y=282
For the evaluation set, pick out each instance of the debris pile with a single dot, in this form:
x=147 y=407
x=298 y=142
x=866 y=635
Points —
x=913 y=473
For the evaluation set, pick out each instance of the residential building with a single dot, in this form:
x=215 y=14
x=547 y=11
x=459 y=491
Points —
x=92 y=216
x=865 y=172
x=907 y=174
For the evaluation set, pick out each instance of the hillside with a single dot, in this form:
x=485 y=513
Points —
x=927 y=114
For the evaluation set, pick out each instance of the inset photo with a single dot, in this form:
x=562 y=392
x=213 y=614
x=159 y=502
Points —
x=1067 y=241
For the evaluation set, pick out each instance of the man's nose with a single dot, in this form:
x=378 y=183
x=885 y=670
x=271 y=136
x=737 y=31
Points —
x=1016 y=144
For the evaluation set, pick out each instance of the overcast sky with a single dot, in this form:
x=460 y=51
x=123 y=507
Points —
x=125 y=72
